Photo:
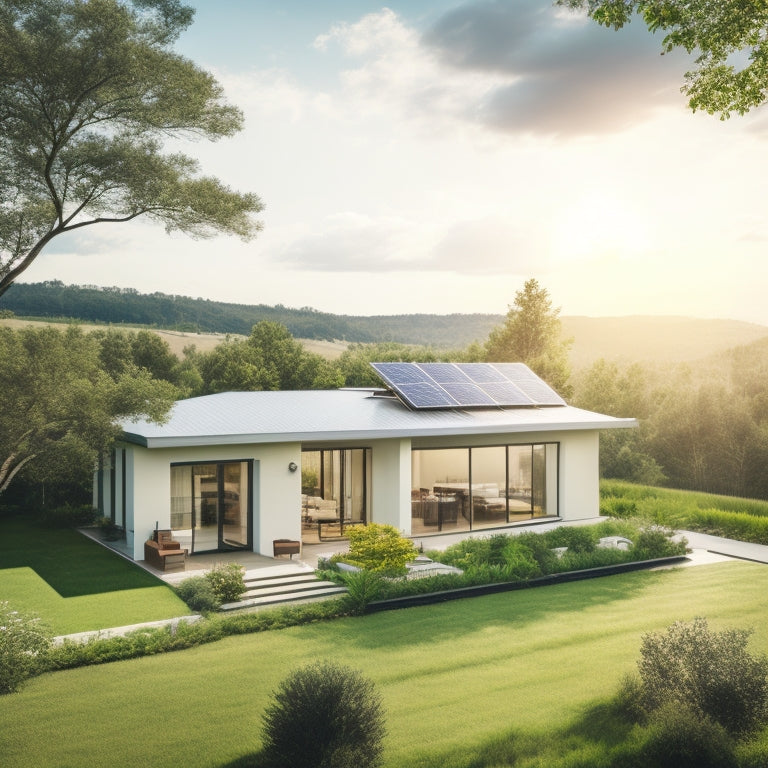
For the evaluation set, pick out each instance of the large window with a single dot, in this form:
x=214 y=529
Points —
x=456 y=489
x=211 y=505
x=335 y=490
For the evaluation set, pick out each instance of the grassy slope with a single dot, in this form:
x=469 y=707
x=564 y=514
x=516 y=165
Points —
x=74 y=584
x=455 y=677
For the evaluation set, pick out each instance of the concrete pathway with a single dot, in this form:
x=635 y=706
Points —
x=716 y=545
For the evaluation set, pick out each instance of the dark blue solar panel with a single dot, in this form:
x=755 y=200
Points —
x=480 y=372
x=506 y=393
x=445 y=372
x=401 y=373
x=468 y=394
x=469 y=385
x=424 y=395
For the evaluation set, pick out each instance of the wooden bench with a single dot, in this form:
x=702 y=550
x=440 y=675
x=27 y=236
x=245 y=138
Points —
x=163 y=553
x=286 y=547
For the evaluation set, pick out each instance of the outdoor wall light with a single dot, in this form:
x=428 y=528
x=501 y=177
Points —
x=293 y=466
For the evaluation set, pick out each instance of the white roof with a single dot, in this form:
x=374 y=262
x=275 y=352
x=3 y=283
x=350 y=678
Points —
x=232 y=418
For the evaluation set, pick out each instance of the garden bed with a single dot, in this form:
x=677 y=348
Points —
x=428 y=598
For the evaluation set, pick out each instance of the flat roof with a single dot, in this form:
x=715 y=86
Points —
x=235 y=418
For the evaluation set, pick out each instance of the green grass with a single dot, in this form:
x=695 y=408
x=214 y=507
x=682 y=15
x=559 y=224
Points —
x=465 y=684
x=74 y=584
x=728 y=516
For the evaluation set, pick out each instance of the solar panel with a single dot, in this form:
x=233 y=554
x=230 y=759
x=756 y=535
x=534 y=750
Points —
x=466 y=385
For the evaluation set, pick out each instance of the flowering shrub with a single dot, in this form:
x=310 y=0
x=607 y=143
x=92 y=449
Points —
x=23 y=644
x=227 y=581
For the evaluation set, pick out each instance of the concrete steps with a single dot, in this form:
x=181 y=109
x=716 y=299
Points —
x=285 y=587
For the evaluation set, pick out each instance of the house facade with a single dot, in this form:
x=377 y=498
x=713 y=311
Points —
x=239 y=470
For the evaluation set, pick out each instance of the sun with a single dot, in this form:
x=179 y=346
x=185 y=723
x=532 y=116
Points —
x=597 y=226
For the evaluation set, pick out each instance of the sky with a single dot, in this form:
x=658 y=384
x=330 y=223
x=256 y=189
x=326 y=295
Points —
x=431 y=156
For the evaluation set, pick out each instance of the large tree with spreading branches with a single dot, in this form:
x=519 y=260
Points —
x=89 y=91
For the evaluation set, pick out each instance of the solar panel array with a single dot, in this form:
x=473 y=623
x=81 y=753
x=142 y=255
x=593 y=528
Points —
x=466 y=385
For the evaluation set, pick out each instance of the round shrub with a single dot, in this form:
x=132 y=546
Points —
x=380 y=548
x=324 y=716
x=23 y=644
x=680 y=737
x=197 y=592
x=227 y=582
x=711 y=672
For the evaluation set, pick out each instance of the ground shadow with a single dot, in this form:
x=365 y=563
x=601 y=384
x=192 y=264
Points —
x=70 y=563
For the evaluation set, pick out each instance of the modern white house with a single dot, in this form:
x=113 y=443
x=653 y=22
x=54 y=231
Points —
x=427 y=453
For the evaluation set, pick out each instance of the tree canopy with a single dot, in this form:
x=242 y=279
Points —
x=729 y=39
x=531 y=335
x=89 y=89
x=60 y=407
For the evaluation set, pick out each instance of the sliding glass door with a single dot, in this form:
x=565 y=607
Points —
x=211 y=505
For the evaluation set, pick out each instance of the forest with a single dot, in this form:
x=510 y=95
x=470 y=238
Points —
x=93 y=304
x=703 y=423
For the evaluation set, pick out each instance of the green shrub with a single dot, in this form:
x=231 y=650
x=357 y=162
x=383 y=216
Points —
x=711 y=672
x=380 y=548
x=197 y=592
x=362 y=588
x=679 y=737
x=656 y=542
x=23 y=645
x=68 y=516
x=577 y=539
x=324 y=716
x=227 y=581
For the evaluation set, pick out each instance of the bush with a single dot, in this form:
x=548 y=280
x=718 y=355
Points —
x=679 y=737
x=68 y=516
x=324 y=716
x=657 y=542
x=227 y=582
x=379 y=548
x=362 y=588
x=23 y=645
x=710 y=672
x=197 y=592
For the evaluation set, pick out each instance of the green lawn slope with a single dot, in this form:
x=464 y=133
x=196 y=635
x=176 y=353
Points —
x=465 y=684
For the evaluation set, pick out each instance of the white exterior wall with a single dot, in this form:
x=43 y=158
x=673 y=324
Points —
x=276 y=491
x=580 y=475
x=391 y=483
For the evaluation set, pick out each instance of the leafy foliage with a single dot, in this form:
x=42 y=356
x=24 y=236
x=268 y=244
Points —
x=198 y=593
x=362 y=588
x=23 y=642
x=679 y=737
x=379 y=548
x=713 y=673
x=324 y=716
x=88 y=92
x=531 y=335
x=728 y=39
x=59 y=407
x=226 y=580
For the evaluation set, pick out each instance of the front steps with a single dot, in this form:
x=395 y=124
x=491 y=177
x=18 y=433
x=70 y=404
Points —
x=283 y=587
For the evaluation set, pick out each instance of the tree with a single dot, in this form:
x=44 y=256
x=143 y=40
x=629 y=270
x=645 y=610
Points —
x=59 y=408
x=269 y=359
x=324 y=716
x=88 y=91
x=531 y=335
x=719 y=33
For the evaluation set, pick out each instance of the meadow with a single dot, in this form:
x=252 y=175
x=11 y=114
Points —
x=519 y=678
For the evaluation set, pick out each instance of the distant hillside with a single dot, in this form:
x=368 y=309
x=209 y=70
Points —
x=124 y=305
x=661 y=339
x=203 y=322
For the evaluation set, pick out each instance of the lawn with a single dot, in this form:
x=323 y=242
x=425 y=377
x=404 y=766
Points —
x=461 y=680
x=74 y=584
